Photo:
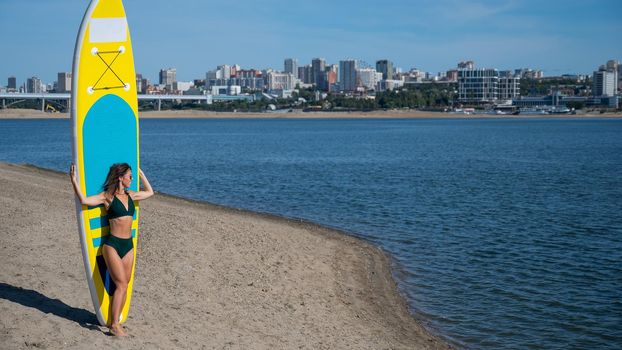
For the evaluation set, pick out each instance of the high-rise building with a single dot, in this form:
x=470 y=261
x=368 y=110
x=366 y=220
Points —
x=145 y=85
x=34 y=85
x=12 y=84
x=168 y=77
x=139 y=83
x=280 y=81
x=509 y=87
x=235 y=69
x=223 y=71
x=486 y=85
x=466 y=65
x=317 y=68
x=368 y=77
x=452 y=75
x=614 y=67
x=291 y=66
x=64 y=82
x=604 y=83
x=347 y=74
x=386 y=68
x=304 y=74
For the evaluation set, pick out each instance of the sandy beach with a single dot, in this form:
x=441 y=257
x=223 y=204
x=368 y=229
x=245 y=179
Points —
x=206 y=277
x=406 y=114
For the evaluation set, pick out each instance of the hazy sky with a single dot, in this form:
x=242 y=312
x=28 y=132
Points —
x=556 y=36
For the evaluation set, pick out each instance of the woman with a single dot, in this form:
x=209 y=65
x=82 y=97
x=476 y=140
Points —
x=118 y=248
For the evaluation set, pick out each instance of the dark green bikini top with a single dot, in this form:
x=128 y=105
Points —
x=117 y=209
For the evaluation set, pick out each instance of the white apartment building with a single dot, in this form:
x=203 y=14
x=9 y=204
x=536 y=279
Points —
x=604 y=83
x=281 y=81
x=182 y=86
x=368 y=78
x=486 y=86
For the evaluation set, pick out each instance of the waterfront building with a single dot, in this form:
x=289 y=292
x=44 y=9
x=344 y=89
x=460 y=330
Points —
x=614 y=67
x=231 y=90
x=139 y=85
x=347 y=75
x=167 y=77
x=34 y=85
x=486 y=86
x=451 y=75
x=223 y=71
x=64 y=82
x=528 y=73
x=181 y=86
x=291 y=66
x=235 y=69
x=367 y=78
x=318 y=66
x=331 y=80
x=604 y=83
x=305 y=74
x=11 y=84
x=280 y=81
x=509 y=87
x=386 y=68
x=389 y=84
x=466 y=65
x=145 y=85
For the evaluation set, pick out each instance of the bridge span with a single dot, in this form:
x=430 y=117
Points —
x=64 y=99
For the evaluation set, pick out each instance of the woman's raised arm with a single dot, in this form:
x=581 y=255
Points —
x=147 y=192
x=92 y=200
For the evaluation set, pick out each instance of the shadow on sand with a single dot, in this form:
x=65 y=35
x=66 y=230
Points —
x=36 y=300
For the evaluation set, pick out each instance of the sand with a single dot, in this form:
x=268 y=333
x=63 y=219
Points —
x=206 y=277
x=405 y=114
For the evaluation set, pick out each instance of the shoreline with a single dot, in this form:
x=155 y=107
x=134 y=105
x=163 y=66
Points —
x=240 y=278
x=389 y=114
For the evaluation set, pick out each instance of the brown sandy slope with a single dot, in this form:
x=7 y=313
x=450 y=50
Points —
x=206 y=277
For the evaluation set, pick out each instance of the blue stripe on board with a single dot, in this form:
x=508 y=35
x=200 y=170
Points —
x=98 y=241
x=102 y=221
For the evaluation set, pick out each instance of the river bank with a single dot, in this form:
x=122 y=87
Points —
x=206 y=276
x=413 y=114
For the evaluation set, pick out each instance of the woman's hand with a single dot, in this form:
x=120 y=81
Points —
x=72 y=173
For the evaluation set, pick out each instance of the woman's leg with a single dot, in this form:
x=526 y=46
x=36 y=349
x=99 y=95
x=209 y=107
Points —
x=127 y=261
x=119 y=277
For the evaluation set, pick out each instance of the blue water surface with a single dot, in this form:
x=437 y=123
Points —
x=506 y=234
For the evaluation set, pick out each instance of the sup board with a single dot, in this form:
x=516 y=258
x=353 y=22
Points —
x=104 y=114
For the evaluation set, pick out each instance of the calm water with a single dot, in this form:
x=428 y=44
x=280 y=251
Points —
x=507 y=234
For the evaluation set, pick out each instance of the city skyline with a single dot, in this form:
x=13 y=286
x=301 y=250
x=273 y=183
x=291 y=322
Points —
x=557 y=37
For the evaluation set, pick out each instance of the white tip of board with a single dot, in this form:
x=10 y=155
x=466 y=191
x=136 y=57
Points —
x=126 y=86
x=94 y=51
x=122 y=49
x=90 y=90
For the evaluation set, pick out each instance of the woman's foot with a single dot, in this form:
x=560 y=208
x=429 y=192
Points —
x=117 y=331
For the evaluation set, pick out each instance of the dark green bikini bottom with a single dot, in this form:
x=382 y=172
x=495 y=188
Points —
x=121 y=245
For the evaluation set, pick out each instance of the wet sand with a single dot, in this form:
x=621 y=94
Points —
x=206 y=277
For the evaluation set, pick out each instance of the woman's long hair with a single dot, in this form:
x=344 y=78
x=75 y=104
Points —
x=111 y=185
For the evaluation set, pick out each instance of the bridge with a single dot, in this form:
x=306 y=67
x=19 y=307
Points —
x=63 y=100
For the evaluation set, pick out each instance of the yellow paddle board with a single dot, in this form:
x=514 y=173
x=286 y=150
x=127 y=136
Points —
x=104 y=114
